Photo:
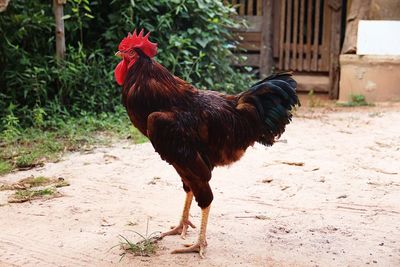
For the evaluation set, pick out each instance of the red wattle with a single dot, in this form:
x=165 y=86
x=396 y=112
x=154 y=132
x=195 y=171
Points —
x=120 y=72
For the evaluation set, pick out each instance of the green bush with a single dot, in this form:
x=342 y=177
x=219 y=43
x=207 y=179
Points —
x=193 y=37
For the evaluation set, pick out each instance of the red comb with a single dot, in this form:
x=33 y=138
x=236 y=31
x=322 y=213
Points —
x=138 y=41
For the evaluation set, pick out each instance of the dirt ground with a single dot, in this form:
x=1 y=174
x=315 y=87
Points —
x=327 y=194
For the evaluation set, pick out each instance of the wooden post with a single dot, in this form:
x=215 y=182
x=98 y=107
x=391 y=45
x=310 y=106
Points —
x=359 y=9
x=60 y=35
x=334 y=68
x=266 y=56
x=3 y=5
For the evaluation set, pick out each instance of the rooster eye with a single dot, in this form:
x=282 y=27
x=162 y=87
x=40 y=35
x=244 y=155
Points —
x=131 y=52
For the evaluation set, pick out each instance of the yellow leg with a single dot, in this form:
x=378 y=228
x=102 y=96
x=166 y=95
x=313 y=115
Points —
x=184 y=223
x=186 y=207
x=201 y=243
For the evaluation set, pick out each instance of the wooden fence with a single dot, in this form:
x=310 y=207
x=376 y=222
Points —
x=304 y=39
x=305 y=35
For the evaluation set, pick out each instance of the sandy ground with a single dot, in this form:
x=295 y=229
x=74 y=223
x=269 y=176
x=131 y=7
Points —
x=340 y=208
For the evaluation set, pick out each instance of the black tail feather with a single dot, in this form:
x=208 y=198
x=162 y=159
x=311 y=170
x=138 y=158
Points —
x=274 y=98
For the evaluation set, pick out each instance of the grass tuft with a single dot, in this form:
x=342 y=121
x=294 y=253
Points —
x=313 y=100
x=28 y=161
x=356 y=101
x=146 y=247
x=32 y=181
x=5 y=167
x=39 y=181
x=29 y=194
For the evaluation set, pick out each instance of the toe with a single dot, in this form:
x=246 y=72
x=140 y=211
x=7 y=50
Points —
x=191 y=224
x=175 y=231
x=193 y=248
x=199 y=248
x=202 y=253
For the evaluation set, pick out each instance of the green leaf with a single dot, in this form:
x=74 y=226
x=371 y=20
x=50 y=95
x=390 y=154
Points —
x=65 y=17
x=203 y=43
x=89 y=16
x=87 y=8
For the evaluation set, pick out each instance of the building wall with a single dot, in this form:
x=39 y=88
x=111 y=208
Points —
x=384 y=10
x=375 y=77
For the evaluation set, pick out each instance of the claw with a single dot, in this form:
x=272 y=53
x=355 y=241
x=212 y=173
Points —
x=184 y=231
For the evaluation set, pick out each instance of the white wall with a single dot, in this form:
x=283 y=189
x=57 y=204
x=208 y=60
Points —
x=378 y=37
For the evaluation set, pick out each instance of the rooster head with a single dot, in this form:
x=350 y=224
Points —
x=129 y=49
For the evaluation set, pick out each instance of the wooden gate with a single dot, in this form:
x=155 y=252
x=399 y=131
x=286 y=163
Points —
x=305 y=35
x=253 y=37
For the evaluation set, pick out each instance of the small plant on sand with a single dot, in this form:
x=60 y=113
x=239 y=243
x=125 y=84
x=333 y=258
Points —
x=313 y=101
x=11 y=125
x=38 y=181
x=24 y=188
x=32 y=181
x=145 y=247
x=27 y=161
x=30 y=194
x=5 y=167
x=356 y=101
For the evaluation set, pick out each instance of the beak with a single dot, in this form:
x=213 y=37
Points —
x=118 y=54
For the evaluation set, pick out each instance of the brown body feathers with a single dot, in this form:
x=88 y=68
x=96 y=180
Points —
x=196 y=130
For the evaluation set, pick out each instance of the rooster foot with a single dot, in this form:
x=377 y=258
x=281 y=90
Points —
x=198 y=247
x=181 y=229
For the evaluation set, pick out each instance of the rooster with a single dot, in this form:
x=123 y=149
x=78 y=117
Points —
x=197 y=130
